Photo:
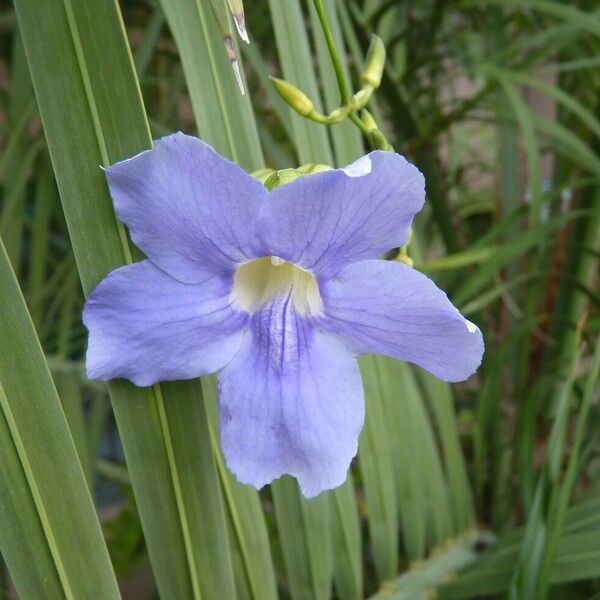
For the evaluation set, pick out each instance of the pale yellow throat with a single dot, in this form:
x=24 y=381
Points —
x=260 y=280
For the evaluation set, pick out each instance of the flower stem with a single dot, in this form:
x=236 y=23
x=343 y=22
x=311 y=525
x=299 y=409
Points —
x=333 y=53
x=337 y=66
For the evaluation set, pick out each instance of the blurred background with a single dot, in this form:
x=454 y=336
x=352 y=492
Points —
x=498 y=103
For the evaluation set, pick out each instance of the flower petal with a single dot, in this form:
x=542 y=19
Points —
x=390 y=308
x=146 y=326
x=189 y=209
x=324 y=221
x=291 y=401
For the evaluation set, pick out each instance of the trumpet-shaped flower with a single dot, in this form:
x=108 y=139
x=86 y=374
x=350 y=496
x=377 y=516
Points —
x=277 y=291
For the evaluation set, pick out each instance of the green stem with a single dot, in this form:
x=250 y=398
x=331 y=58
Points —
x=337 y=67
x=335 y=57
x=359 y=123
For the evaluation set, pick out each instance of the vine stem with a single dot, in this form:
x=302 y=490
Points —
x=333 y=53
x=337 y=65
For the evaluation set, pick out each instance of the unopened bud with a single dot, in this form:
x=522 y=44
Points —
x=293 y=96
x=377 y=140
x=360 y=99
x=337 y=115
x=374 y=63
x=262 y=174
x=310 y=168
x=284 y=176
x=368 y=120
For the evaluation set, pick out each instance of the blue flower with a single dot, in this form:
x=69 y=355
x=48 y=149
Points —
x=278 y=291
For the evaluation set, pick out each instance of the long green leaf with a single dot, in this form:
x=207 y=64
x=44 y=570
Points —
x=578 y=554
x=224 y=117
x=250 y=538
x=377 y=468
x=50 y=536
x=225 y=120
x=294 y=54
x=305 y=534
x=347 y=542
x=164 y=429
x=305 y=527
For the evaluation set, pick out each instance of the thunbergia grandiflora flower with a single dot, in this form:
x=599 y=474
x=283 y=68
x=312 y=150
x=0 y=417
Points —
x=278 y=291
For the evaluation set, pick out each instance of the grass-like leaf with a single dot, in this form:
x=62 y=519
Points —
x=50 y=535
x=164 y=429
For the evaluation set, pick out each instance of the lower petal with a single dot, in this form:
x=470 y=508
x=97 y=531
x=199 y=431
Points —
x=146 y=326
x=390 y=308
x=291 y=401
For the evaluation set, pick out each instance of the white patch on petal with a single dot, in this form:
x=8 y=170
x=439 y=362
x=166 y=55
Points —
x=359 y=168
x=258 y=281
x=472 y=328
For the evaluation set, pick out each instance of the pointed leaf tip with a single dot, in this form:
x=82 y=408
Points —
x=236 y=8
x=240 y=24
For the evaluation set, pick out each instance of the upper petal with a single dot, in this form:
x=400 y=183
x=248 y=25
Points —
x=389 y=308
x=291 y=401
x=327 y=220
x=189 y=209
x=146 y=326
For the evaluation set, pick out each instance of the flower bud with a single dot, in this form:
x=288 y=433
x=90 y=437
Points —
x=280 y=177
x=362 y=97
x=262 y=174
x=310 y=168
x=293 y=96
x=283 y=176
x=407 y=260
x=337 y=115
x=377 y=140
x=374 y=63
x=368 y=120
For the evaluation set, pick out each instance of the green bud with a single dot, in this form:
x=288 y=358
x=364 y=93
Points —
x=374 y=63
x=311 y=168
x=377 y=140
x=362 y=97
x=337 y=115
x=368 y=120
x=284 y=176
x=404 y=258
x=293 y=96
x=281 y=177
x=403 y=253
x=262 y=174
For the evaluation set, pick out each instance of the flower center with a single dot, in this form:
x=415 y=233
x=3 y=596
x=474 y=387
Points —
x=260 y=280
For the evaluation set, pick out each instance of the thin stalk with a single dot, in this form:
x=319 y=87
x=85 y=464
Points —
x=337 y=66
x=335 y=57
